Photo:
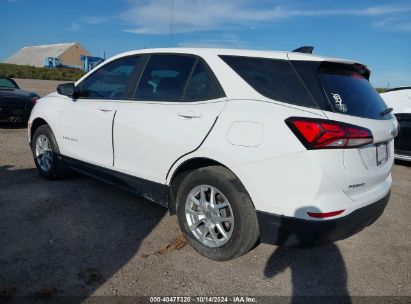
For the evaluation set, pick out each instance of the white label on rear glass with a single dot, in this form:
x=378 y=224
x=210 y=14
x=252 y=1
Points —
x=339 y=102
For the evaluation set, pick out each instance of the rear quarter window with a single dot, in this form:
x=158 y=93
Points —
x=272 y=78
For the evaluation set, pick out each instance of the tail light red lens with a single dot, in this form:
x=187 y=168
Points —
x=328 y=134
x=34 y=99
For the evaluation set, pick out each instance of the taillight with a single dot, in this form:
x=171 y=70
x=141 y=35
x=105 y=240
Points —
x=34 y=100
x=328 y=134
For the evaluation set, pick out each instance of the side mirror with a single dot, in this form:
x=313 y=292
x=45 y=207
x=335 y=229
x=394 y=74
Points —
x=66 y=89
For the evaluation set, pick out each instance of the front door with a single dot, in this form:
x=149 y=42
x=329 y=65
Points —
x=87 y=120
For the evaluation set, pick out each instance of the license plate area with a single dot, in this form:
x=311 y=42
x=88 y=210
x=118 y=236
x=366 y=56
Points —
x=382 y=153
x=16 y=111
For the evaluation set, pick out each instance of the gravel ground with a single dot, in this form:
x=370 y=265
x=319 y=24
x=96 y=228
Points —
x=82 y=237
x=41 y=87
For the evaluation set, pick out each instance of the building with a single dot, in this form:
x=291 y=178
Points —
x=68 y=53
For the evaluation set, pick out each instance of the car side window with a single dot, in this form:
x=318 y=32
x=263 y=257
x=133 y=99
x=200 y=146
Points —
x=202 y=85
x=272 y=78
x=109 y=81
x=165 y=78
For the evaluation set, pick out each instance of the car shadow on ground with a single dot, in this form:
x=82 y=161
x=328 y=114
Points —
x=66 y=238
x=318 y=274
x=403 y=163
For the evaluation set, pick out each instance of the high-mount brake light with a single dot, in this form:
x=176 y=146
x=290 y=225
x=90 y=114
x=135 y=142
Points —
x=328 y=134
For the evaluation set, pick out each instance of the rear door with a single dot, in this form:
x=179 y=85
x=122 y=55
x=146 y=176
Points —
x=87 y=121
x=177 y=101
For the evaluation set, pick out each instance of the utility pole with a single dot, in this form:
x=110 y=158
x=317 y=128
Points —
x=171 y=22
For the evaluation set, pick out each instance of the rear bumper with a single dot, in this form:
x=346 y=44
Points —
x=14 y=113
x=402 y=157
x=289 y=231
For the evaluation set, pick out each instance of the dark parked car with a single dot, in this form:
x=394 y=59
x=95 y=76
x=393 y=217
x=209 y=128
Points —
x=400 y=100
x=15 y=104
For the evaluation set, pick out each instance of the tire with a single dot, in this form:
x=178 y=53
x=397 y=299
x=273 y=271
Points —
x=55 y=168
x=241 y=228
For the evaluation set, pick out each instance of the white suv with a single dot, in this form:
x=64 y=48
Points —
x=284 y=148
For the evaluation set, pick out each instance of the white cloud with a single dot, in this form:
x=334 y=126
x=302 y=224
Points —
x=221 y=40
x=74 y=27
x=153 y=17
x=96 y=19
x=394 y=24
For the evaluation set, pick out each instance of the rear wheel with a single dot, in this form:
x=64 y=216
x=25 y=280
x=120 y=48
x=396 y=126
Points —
x=216 y=214
x=46 y=153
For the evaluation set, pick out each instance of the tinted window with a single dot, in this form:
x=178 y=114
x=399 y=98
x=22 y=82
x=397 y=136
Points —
x=7 y=83
x=272 y=78
x=403 y=140
x=202 y=85
x=350 y=92
x=308 y=71
x=165 y=78
x=110 y=81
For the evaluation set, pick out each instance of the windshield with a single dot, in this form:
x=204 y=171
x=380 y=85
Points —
x=350 y=92
x=8 y=84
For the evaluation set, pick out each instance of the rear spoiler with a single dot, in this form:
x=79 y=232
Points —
x=338 y=68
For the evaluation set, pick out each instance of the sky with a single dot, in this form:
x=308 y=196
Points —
x=376 y=33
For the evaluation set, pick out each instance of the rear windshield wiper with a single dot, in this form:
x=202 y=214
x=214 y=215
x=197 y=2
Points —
x=386 y=111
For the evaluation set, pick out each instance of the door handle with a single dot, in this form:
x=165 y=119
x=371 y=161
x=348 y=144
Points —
x=190 y=114
x=105 y=109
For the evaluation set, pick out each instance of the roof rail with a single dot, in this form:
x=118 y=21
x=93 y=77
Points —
x=398 y=89
x=304 y=49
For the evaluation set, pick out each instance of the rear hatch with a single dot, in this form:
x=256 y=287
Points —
x=344 y=93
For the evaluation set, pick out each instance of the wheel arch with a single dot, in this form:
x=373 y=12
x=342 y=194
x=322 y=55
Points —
x=37 y=122
x=186 y=168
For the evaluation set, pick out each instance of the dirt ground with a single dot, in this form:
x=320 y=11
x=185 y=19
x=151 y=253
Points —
x=82 y=237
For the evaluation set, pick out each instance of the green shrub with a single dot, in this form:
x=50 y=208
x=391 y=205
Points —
x=30 y=72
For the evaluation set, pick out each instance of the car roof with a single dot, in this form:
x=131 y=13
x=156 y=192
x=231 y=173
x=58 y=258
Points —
x=203 y=52
x=398 y=89
x=399 y=99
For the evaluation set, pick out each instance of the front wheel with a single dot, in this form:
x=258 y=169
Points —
x=46 y=153
x=216 y=214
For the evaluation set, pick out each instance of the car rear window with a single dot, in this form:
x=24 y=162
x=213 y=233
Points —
x=7 y=83
x=349 y=91
x=272 y=78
